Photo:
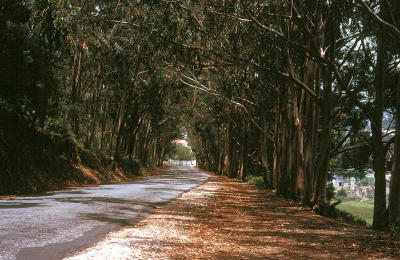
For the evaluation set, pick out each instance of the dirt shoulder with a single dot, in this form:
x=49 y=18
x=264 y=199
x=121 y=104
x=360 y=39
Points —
x=226 y=219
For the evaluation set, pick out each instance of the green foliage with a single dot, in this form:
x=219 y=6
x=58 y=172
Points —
x=131 y=165
x=366 y=182
x=27 y=82
x=395 y=231
x=182 y=153
x=68 y=137
x=330 y=191
x=358 y=158
x=341 y=194
x=123 y=80
x=258 y=181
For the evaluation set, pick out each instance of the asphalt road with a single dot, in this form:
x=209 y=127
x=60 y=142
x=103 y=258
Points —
x=60 y=224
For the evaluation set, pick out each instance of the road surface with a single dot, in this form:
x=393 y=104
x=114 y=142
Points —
x=60 y=224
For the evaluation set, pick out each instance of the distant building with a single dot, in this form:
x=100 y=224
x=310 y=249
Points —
x=340 y=182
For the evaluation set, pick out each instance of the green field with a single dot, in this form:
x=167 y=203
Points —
x=363 y=210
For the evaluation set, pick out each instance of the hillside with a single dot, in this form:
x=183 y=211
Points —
x=33 y=161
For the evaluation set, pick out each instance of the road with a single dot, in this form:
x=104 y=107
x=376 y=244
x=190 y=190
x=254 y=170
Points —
x=59 y=224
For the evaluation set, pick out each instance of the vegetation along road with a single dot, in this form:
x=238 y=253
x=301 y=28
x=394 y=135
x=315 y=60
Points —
x=301 y=98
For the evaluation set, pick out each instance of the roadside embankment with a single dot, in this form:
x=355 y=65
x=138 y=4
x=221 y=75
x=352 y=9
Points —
x=34 y=162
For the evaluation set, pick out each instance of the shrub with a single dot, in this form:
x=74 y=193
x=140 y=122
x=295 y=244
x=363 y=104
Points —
x=63 y=130
x=258 y=181
x=330 y=191
x=341 y=194
x=148 y=165
x=366 y=182
x=132 y=165
x=395 y=231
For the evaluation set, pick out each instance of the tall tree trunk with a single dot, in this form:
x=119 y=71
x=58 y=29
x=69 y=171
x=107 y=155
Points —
x=76 y=93
x=243 y=156
x=296 y=167
x=221 y=161
x=277 y=148
x=285 y=149
x=119 y=131
x=298 y=123
x=228 y=146
x=264 y=156
x=319 y=196
x=394 y=195
x=378 y=151
x=308 y=152
x=132 y=141
x=95 y=109
x=308 y=139
x=331 y=32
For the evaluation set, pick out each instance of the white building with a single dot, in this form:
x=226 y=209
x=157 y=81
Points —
x=340 y=182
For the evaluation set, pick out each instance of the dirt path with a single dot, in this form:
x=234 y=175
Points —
x=226 y=219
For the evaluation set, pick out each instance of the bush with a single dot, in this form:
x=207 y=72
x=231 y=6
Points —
x=341 y=194
x=132 y=165
x=258 y=181
x=366 y=182
x=63 y=132
x=330 y=191
x=395 y=231
x=90 y=159
x=150 y=165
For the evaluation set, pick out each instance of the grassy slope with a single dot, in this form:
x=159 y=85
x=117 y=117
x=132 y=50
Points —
x=363 y=210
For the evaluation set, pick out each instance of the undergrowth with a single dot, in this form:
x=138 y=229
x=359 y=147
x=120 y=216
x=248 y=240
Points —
x=258 y=181
x=395 y=231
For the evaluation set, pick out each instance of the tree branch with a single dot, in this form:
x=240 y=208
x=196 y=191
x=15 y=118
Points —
x=202 y=87
x=349 y=148
x=379 y=20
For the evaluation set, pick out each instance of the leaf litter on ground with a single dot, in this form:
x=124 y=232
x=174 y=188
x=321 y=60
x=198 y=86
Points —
x=228 y=219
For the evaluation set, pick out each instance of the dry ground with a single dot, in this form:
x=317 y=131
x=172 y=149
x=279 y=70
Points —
x=226 y=219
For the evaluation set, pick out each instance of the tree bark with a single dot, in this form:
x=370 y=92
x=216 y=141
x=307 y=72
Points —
x=264 y=156
x=394 y=195
x=319 y=197
x=378 y=154
x=76 y=95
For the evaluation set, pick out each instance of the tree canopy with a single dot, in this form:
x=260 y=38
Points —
x=291 y=90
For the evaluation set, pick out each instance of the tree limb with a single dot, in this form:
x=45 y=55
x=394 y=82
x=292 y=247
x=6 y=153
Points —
x=379 y=20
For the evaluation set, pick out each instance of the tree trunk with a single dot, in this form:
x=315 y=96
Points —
x=298 y=123
x=319 y=196
x=394 y=195
x=284 y=149
x=309 y=139
x=95 y=110
x=264 y=156
x=243 y=156
x=378 y=154
x=277 y=148
x=228 y=146
x=76 y=93
x=221 y=161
